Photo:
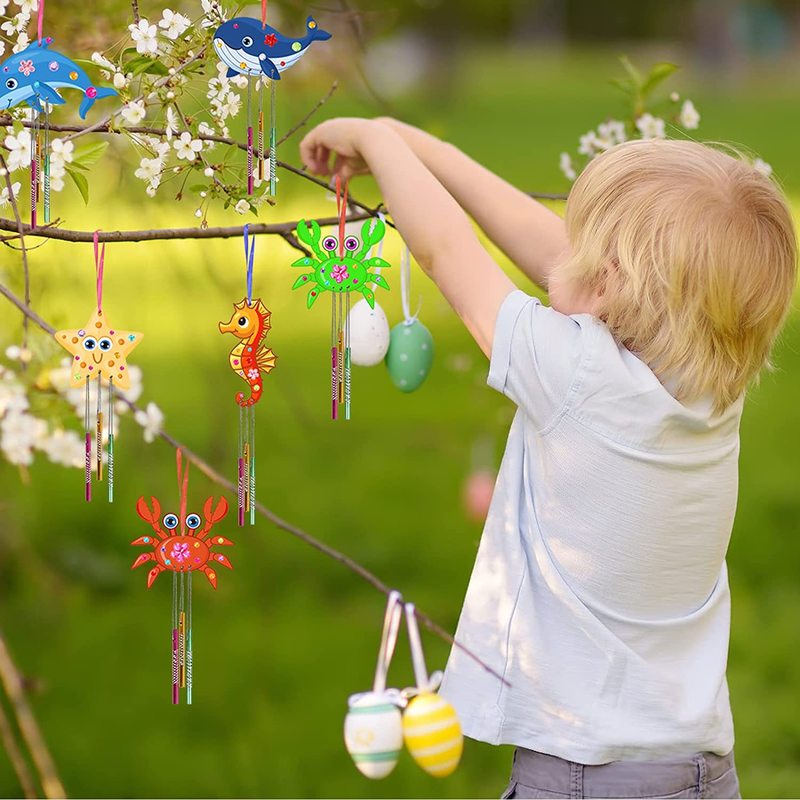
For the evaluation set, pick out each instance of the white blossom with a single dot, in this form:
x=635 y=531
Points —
x=566 y=167
x=689 y=117
x=102 y=61
x=134 y=112
x=5 y=197
x=759 y=165
x=612 y=132
x=144 y=35
x=19 y=434
x=173 y=24
x=150 y=169
x=120 y=80
x=19 y=148
x=589 y=144
x=15 y=25
x=61 y=150
x=64 y=447
x=651 y=127
x=151 y=418
x=242 y=207
x=172 y=122
x=27 y=7
x=186 y=147
x=3 y=7
x=22 y=42
x=12 y=394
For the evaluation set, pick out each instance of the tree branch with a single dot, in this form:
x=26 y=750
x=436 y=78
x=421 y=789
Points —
x=9 y=740
x=265 y=512
x=296 y=127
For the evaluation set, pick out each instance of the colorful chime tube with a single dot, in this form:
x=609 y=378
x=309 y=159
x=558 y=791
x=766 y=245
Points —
x=181 y=629
x=340 y=322
x=40 y=145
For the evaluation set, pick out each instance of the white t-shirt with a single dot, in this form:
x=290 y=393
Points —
x=600 y=589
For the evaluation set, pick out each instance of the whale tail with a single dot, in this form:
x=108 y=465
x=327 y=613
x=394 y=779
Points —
x=315 y=33
x=93 y=94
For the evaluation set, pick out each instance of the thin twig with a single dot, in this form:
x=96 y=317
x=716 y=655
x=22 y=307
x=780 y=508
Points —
x=9 y=739
x=279 y=522
x=15 y=690
x=135 y=10
x=303 y=122
x=19 y=229
x=283 y=229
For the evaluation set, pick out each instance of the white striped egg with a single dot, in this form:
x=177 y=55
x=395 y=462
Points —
x=373 y=733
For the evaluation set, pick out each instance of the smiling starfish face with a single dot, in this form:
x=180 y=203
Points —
x=99 y=350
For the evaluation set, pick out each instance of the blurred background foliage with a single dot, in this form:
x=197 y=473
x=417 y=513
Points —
x=289 y=635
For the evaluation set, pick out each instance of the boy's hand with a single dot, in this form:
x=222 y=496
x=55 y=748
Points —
x=342 y=138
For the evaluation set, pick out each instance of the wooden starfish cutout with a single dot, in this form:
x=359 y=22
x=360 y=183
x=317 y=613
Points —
x=99 y=350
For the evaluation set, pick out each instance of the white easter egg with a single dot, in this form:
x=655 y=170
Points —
x=369 y=334
x=373 y=734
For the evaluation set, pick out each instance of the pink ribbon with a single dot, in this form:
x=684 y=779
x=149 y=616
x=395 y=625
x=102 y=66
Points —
x=40 y=21
x=99 y=260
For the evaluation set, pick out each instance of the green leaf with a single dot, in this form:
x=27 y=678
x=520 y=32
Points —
x=81 y=182
x=633 y=73
x=140 y=64
x=89 y=154
x=660 y=72
x=625 y=85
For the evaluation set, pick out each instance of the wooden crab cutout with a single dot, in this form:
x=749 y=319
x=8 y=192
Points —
x=187 y=551
x=340 y=267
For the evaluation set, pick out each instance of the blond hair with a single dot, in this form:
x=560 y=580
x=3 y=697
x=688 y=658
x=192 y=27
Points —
x=693 y=255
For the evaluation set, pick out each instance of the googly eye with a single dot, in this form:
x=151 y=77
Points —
x=330 y=243
x=170 y=522
x=192 y=521
x=351 y=243
x=105 y=343
x=247 y=41
x=11 y=83
x=89 y=343
x=243 y=322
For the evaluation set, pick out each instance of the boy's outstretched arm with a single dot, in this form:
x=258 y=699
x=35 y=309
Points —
x=531 y=235
x=433 y=225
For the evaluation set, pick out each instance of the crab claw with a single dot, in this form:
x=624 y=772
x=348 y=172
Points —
x=221 y=559
x=211 y=575
x=145 y=513
x=212 y=514
x=142 y=559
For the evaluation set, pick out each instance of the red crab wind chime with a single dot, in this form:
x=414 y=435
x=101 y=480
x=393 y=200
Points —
x=182 y=553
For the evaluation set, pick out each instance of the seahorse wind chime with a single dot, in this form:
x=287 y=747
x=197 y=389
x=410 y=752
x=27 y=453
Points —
x=182 y=553
x=250 y=359
x=252 y=48
x=342 y=266
x=99 y=351
x=32 y=76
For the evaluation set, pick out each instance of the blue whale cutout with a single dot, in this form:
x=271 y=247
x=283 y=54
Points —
x=247 y=48
x=33 y=75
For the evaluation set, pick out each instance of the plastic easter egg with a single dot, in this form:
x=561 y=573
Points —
x=373 y=734
x=433 y=734
x=410 y=355
x=369 y=334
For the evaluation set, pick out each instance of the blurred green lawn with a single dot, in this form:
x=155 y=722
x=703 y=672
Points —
x=289 y=635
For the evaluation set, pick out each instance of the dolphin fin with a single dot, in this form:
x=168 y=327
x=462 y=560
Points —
x=33 y=102
x=88 y=102
x=231 y=73
x=48 y=93
x=270 y=70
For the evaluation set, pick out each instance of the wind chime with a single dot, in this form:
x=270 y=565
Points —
x=342 y=266
x=183 y=554
x=32 y=76
x=252 y=48
x=250 y=359
x=99 y=352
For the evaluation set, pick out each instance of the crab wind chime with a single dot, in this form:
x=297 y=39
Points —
x=250 y=359
x=341 y=267
x=99 y=351
x=252 y=48
x=32 y=76
x=182 y=554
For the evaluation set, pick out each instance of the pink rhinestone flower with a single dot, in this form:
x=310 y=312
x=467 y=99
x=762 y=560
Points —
x=340 y=273
x=26 y=67
x=180 y=552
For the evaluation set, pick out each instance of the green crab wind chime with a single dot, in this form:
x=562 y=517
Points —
x=342 y=266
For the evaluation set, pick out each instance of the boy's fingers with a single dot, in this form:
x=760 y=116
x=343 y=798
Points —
x=342 y=168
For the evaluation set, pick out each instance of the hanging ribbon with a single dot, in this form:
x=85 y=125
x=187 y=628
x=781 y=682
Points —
x=249 y=255
x=99 y=260
x=425 y=682
x=391 y=627
x=405 y=287
x=183 y=485
x=263 y=14
x=341 y=208
x=40 y=20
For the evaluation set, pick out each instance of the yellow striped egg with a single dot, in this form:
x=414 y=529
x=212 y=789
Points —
x=433 y=734
x=373 y=734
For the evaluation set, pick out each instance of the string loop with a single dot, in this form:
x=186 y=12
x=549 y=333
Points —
x=40 y=21
x=99 y=261
x=249 y=255
x=341 y=208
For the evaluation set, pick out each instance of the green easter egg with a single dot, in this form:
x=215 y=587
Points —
x=410 y=355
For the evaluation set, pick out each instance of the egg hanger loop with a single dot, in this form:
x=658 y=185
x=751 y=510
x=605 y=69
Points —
x=405 y=287
x=391 y=628
x=425 y=682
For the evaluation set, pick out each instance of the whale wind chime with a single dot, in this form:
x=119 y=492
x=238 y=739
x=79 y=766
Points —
x=33 y=76
x=342 y=266
x=254 y=49
x=182 y=554
x=250 y=359
x=99 y=351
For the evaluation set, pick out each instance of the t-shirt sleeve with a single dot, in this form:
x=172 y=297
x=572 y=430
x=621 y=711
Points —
x=536 y=354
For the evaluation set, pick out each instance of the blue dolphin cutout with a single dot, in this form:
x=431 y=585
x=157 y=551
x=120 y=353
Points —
x=247 y=48
x=33 y=75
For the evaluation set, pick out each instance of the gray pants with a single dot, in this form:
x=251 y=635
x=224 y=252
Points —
x=702 y=775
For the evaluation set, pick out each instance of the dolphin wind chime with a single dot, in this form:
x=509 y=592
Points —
x=252 y=48
x=33 y=76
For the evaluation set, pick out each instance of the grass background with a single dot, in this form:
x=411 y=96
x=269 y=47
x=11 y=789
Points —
x=289 y=635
